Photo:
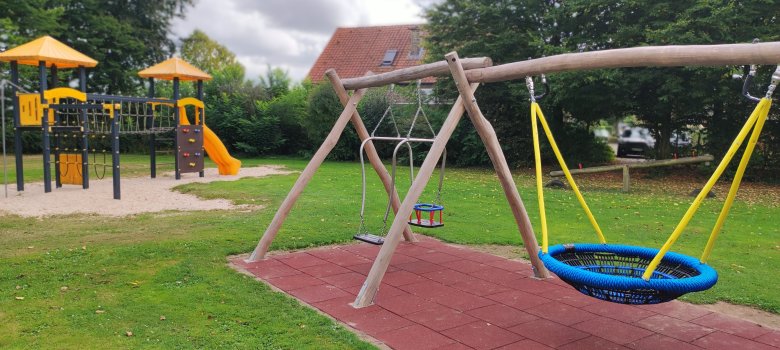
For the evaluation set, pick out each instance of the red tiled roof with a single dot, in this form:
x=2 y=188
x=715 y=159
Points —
x=355 y=51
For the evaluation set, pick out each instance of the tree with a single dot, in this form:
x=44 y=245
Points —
x=506 y=31
x=124 y=36
x=663 y=99
x=207 y=54
x=668 y=99
x=276 y=82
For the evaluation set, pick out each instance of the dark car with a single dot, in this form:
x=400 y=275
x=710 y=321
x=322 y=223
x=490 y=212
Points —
x=635 y=142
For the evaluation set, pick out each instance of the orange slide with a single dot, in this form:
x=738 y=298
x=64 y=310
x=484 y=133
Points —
x=216 y=150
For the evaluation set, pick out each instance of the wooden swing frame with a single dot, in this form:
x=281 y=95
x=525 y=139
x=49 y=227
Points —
x=467 y=74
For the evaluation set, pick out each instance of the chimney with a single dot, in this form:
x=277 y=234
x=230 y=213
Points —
x=415 y=49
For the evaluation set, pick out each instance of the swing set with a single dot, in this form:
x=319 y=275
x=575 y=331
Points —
x=616 y=273
x=405 y=140
x=638 y=275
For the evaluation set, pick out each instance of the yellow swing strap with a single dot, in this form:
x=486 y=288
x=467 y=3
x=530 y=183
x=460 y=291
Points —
x=737 y=180
x=539 y=186
x=536 y=111
x=760 y=112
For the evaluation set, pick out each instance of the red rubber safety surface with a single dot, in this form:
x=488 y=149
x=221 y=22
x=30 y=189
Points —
x=440 y=296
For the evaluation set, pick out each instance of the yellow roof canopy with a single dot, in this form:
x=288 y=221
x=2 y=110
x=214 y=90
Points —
x=174 y=68
x=49 y=50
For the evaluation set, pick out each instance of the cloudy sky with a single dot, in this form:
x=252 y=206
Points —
x=288 y=33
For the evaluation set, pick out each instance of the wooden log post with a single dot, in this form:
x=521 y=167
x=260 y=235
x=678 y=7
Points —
x=371 y=285
x=626 y=167
x=412 y=73
x=644 y=56
x=489 y=138
x=305 y=177
x=626 y=179
x=648 y=164
x=373 y=156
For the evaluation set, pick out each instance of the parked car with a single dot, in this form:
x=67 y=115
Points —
x=602 y=134
x=680 y=139
x=635 y=141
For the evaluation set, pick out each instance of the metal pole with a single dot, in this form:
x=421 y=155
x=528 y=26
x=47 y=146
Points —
x=17 y=128
x=84 y=133
x=176 y=121
x=45 y=130
x=57 y=135
x=115 y=152
x=152 y=136
x=202 y=118
x=5 y=165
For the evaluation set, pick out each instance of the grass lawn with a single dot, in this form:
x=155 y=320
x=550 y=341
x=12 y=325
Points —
x=87 y=280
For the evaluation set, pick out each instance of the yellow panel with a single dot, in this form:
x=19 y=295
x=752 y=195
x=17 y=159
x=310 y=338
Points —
x=30 y=109
x=54 y=95
x=190 y=101
x=70 y=169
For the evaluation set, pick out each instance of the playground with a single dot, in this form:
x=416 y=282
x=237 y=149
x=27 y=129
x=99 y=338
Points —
x=134 y=270
x=138 y=268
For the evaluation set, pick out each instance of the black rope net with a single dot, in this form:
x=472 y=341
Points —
x=628 y=266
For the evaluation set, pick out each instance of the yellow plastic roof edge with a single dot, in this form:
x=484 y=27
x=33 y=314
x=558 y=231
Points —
x=29 y=54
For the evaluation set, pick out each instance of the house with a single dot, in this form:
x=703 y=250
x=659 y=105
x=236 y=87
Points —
x=355 y=51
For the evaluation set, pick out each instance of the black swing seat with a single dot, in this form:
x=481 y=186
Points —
x=425 y=223
x=369 y=238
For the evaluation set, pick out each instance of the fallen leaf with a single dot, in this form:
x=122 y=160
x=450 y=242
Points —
x=162 y=318
x=19 y=298
x=100 y=311
x=129 y=333
x=64 y=289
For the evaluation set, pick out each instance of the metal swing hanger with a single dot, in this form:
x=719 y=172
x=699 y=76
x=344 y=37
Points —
x=529 y=83
x=750 y=75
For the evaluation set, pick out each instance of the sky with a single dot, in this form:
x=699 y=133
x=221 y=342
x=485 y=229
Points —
x=289 y=34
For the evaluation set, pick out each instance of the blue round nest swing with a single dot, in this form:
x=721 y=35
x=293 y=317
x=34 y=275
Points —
x=614 y=272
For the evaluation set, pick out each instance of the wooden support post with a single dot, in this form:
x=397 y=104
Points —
x=305 y=177
x=367 y=293
x=412 y=73
x=373 y=157
x=647 y=164
x=489 y=138
x=643 y=56
x=626 y=179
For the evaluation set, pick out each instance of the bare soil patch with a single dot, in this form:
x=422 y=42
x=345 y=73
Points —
x=139 y=195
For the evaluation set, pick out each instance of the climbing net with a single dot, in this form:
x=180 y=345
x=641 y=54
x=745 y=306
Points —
x=135 y=115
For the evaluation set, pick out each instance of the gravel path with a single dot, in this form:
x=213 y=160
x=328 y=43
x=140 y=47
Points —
x=139 y=195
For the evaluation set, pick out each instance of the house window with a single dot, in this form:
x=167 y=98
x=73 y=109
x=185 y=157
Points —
x=389 y=58
x=416 y=53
